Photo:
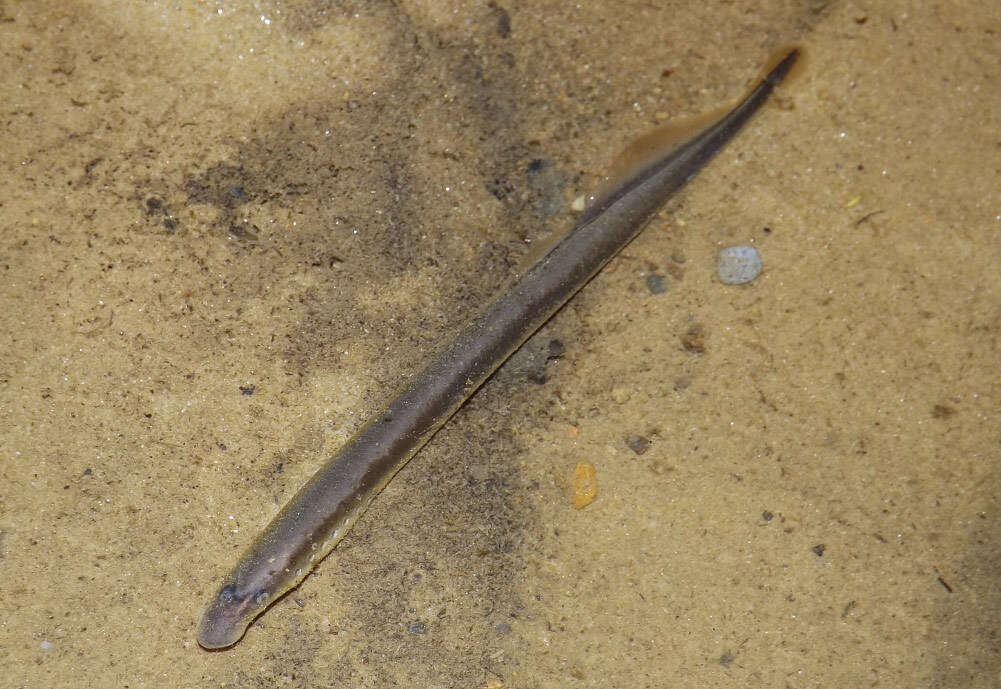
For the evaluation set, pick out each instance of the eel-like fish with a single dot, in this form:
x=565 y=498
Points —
x=319 y=515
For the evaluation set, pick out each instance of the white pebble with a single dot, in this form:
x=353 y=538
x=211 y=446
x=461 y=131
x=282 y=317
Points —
x=738 y=265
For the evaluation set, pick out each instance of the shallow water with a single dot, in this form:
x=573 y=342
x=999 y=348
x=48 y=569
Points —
x=227 y=233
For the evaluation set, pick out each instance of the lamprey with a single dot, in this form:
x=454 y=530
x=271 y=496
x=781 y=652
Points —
x=319 y=515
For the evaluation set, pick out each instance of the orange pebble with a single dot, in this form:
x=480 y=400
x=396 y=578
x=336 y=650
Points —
x=585 y=485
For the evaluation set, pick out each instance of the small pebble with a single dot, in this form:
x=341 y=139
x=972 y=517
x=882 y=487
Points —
x=738 y=265
x=655 y=283
x=694 y=340
x=638 y=444
x=676 y=271
x=417 y=627
x=585 y=485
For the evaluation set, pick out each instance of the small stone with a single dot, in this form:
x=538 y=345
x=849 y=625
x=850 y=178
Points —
x=738 y=265
x=819 y=549
x=585 y=485
x=694 y=340
x=638 y=444
x=655 y=283
x=417 y=627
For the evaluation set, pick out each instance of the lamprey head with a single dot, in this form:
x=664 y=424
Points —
x=229 y=614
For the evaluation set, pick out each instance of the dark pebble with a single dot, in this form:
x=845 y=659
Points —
x=655 y=283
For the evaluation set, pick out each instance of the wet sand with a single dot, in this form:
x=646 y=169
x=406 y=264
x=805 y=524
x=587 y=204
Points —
x=227 y=233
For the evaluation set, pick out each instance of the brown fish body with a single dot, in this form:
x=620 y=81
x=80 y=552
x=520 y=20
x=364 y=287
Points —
x=319 y=515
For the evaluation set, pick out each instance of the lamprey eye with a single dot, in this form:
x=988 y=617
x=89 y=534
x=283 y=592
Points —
x=227 y=594
x=261 y=597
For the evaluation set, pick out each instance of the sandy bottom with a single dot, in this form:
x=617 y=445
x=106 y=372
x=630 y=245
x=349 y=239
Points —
x=228 y=229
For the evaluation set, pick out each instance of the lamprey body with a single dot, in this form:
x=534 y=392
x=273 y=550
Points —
x=319 y=515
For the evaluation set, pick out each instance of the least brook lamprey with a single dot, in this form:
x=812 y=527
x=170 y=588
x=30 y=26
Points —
x=319 y=515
